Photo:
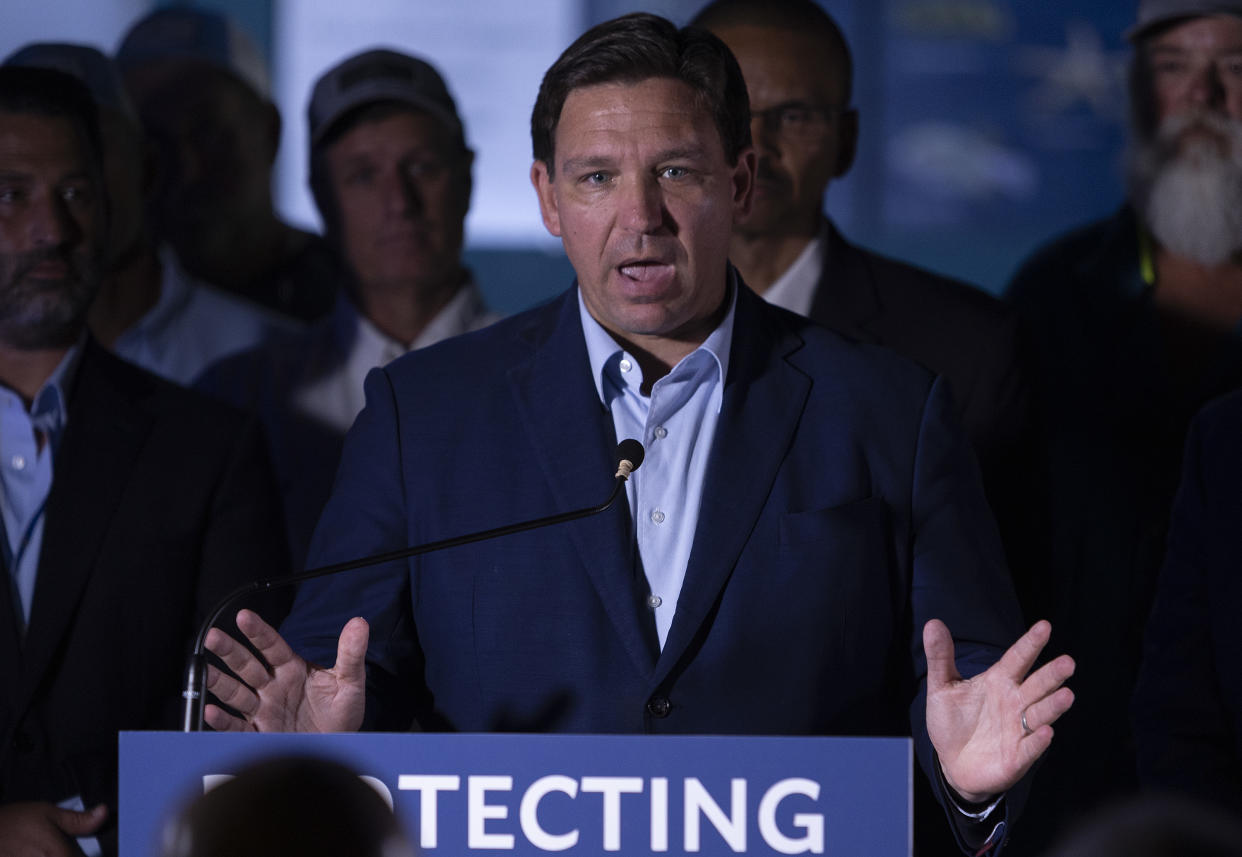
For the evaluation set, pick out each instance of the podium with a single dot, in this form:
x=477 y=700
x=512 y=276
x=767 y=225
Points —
x=508 y=794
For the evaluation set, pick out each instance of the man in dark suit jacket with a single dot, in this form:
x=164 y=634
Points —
x=805 y=507
x=1187 y=707
x=129 y=505
x=798 y=72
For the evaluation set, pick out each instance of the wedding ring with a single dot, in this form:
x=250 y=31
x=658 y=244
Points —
x=1026 y=730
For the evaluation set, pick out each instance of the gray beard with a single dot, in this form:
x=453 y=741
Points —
x=42 y=314
x=1191 y=198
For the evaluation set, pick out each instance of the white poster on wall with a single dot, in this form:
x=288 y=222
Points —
x=99 y=23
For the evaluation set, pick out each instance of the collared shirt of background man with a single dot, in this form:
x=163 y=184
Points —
x=391 y=174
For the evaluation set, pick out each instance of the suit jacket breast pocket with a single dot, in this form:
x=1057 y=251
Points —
x=855 y=525
x=840 y=562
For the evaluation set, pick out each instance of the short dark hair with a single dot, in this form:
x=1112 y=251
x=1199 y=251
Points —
x=804 y=16
x=47 y=92
x=278 y=805
x=638 y=47
x=1155 y=825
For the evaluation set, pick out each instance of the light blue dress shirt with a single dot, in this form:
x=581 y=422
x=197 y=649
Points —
x=26 y=476
x=676 y=425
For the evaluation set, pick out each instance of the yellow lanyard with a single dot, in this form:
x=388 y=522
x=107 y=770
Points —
x=1147 y=264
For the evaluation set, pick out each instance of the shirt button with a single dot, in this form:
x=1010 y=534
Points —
x=18 y=462
x=661 y=431
x=657 y=516
x=654 y=601
x=658 y=706
x=626 y=365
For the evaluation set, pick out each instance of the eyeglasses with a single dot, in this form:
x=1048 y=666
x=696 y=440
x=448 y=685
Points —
x=797 y=121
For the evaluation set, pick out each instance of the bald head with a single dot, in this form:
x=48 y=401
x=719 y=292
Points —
x=800 y=16
x=798 y=75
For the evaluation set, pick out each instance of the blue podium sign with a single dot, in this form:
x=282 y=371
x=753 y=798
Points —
x=577 y=794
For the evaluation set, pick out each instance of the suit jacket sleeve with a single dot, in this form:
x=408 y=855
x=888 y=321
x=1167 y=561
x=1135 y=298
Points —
x=365 y=515
x=960 y=578
x=243 y=539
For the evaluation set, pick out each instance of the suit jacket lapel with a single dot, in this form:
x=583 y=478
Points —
x=846 y=298
x=91 y=468
x=577 y=461
x=10 y=640
x=763 y=402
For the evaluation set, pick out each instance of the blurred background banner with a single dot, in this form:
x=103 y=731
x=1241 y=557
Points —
x=987 y=126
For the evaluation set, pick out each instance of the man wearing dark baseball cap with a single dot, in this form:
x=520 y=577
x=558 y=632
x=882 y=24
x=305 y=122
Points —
x=380 y=75
x=1135 y=321
x=390 y=173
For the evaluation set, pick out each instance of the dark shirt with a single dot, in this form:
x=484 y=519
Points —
x=1114 y=422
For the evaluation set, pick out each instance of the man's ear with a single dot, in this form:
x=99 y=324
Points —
x=743 y=180
x=467 y=176
x=847 y=142
x=540 y=178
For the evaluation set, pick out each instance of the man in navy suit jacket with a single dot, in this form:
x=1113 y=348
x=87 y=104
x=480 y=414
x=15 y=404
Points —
x=806 y=504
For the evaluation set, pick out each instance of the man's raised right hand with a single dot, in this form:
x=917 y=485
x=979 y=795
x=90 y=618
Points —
x=286 y=694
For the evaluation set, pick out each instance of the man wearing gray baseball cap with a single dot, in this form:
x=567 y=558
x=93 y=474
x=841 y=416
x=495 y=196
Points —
x=1136 y=322
x=390 y=173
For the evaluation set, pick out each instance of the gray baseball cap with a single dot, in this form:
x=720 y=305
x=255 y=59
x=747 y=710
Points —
x=379 y=75
x=1153 y=13
x=89 y=65
x=183 y=34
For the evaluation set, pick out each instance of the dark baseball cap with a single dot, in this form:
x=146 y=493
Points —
x=1154 y=13
x=183 y=34
x=379 y=75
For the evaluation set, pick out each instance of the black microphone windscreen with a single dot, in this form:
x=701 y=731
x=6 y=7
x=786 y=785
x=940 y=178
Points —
x=632 y=451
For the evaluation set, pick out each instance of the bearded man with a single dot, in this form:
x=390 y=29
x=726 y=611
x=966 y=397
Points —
x=120 y=494
x=1135 y=321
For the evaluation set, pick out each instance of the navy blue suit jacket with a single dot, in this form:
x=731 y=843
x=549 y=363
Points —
x=842 y=510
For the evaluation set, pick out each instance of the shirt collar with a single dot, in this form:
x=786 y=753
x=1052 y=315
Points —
x=794 y=290
x=464 y=311
x=174 y=294
x=49 y=409
x=456 y=316
x=603 y=350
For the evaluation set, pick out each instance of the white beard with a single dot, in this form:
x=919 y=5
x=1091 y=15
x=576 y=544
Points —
x=1190 y=195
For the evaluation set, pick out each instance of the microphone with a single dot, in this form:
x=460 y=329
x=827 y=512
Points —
x=629 y=456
